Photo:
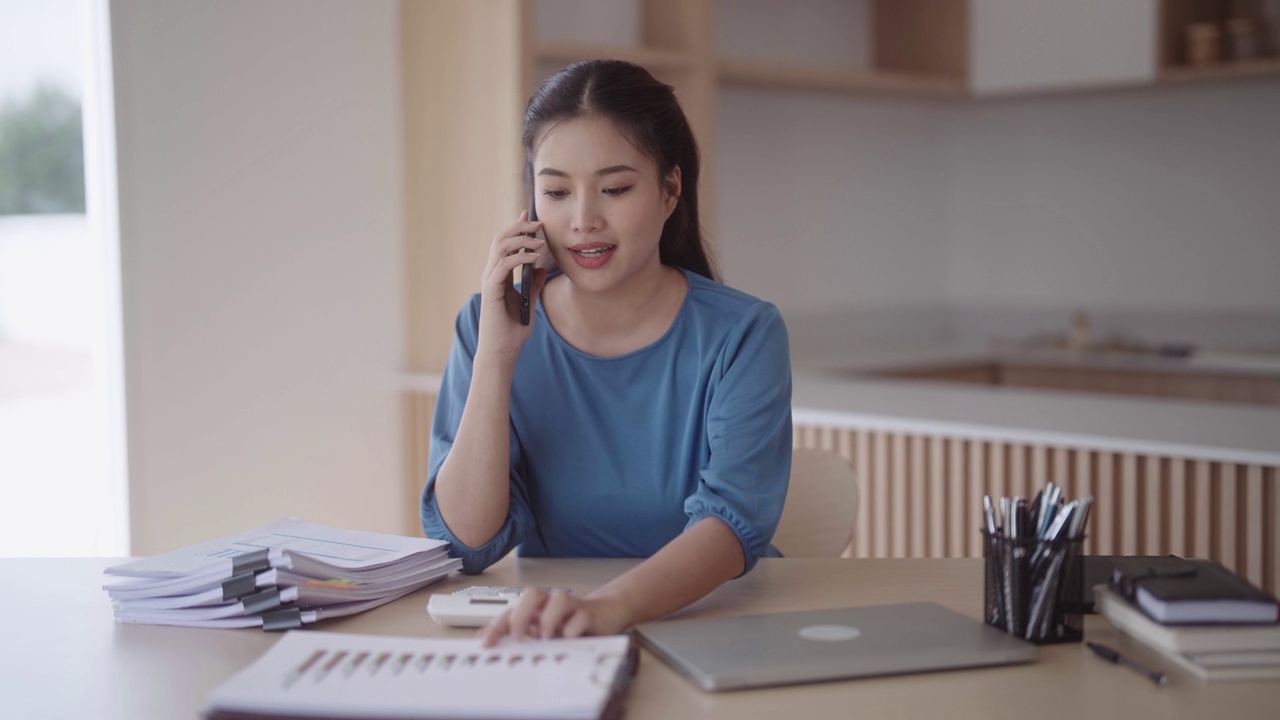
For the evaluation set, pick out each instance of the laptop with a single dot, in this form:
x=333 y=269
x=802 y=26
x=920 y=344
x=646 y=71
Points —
x=817 y=645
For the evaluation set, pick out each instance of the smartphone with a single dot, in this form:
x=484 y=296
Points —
x=526 y=270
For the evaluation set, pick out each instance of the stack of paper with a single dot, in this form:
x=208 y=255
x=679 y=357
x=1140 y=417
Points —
x=1209 y=652
x=279 y=576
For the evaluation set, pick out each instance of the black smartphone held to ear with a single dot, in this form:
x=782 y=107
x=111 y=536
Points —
x=526 y=270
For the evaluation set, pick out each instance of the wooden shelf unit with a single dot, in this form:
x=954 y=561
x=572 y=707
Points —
x=1172 y=63
x=921 y=48
x=801 y=78
x=656 y=60
x=1220 y=71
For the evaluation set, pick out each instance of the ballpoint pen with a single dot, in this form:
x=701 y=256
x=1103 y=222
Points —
x=1114 y=656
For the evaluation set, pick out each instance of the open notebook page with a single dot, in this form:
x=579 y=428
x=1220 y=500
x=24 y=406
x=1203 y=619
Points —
x=322 y=674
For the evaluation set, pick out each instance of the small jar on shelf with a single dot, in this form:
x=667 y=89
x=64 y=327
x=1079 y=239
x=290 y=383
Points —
x=1204 y=43
x=1242 y=38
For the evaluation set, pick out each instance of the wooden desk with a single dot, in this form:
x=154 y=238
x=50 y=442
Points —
x=64 y=656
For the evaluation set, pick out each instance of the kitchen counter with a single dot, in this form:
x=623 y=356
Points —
x=826 y=393
x=1178 y=428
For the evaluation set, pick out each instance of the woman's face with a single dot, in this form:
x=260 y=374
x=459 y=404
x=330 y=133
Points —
x=601 y=204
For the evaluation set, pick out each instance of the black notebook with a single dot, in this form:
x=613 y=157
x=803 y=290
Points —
x=1176 y=591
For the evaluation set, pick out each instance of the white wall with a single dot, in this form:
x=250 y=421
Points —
x=1167 y=198
x=824 y=33
x=1155 y=209
x=831 y=204
x=261 y=231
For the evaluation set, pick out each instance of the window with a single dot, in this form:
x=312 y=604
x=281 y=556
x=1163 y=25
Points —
x=61 y=407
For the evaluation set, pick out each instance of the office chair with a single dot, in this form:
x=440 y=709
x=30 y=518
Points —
x=821 y=506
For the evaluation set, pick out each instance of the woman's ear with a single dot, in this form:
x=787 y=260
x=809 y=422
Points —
x=672 y=186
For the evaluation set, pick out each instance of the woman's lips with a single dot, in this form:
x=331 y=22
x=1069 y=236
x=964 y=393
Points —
x=592 y=255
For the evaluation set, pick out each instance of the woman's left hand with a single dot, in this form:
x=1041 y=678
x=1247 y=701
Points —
x=539 y=614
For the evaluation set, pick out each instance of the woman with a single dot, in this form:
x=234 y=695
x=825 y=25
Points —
x=645 y=411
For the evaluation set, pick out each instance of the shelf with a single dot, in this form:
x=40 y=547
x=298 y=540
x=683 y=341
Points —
x=777 y=76
x=653 y=59
x=1219 y=71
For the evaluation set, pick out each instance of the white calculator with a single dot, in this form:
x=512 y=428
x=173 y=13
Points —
x=474 y=606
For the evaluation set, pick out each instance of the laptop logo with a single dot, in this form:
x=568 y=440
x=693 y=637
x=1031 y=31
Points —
x=829 y=633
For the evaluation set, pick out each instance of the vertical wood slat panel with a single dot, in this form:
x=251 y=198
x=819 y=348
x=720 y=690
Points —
x=880 y=494
x=412 y=433
x=1060 y=471
x=1180 y=528
x=970 y=529
x=918 y=501
x=1271 y=533
x=1198 y=508
x=1082 y=486
x=959 y=487
x=921 y=496
x=898 y=495
x=1016 y=470
x=1202 y=531
x=1225 y=527
x=845 y=447
x=941 y=497
x=1129 y=514
x=1253 y=518
x=862 y=538
x=1039 y=470
x=827 y=439
x=997 y=484
x=1151 y=495
x=1104 y=507
x=418 y=408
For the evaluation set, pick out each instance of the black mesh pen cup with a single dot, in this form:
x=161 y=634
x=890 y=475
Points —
x=1034 y=589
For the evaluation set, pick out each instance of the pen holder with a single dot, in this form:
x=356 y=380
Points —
x=1034 y=589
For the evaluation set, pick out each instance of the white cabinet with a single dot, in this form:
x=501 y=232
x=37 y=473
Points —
x=1043 y=45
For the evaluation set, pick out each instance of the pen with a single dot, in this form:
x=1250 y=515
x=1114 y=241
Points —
x=1114 y=656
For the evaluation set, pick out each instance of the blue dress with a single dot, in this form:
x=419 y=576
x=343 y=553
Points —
x=616 y=456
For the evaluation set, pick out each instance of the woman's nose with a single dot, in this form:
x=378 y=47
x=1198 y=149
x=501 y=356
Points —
x=586 y=217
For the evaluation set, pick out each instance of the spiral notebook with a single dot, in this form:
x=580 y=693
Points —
x=309 y=674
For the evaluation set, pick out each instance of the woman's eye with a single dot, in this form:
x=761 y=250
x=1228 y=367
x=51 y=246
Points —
x=556 y=194
x=615 y=192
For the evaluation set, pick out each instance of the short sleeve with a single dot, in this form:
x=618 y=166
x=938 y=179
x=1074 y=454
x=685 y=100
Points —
x=444 y=428
x=748 y=424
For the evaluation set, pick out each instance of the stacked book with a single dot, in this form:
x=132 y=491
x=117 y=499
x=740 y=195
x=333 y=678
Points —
x=280 y=576
x=1199 y=615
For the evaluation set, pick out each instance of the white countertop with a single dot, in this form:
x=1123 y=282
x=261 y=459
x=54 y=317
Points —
x=826 y=391
x=1210 y=431
x=1247 y=434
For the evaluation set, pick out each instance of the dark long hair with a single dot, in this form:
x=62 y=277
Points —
x=646 y=112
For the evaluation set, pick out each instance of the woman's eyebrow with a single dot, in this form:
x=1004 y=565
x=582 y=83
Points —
x=602 y=171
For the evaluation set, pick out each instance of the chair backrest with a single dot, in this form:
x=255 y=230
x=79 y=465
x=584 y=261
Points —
x=822 y=506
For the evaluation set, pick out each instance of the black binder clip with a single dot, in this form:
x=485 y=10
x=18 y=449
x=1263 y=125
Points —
x=287 y=618
x=261 y=601
x=238 y=586
x=251 y=561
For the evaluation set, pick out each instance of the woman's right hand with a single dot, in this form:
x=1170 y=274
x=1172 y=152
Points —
x=501 y=333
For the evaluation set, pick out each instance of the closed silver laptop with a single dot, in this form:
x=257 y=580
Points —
x=818 y=645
